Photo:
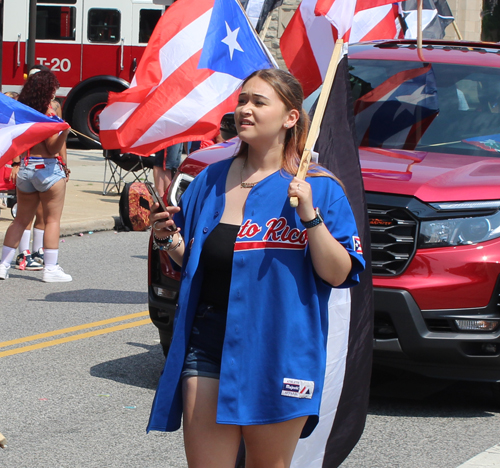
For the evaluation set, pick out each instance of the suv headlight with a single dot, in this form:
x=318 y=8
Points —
x=459 y=231
x=178 y=186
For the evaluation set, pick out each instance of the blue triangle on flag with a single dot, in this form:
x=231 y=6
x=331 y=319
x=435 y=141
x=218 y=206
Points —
x=231 y=45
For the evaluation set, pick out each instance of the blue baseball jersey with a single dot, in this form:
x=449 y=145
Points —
x=274 y=354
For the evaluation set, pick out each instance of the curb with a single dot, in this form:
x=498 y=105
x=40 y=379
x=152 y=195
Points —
x=489 y=458
x=96 y=225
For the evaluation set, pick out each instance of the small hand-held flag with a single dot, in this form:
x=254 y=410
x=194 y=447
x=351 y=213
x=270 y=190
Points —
x=22 y=127
x=195 y=61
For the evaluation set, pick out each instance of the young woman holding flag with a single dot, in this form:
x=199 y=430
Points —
x=248 y=353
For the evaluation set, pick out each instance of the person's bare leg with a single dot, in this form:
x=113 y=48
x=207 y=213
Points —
x=53 y=203
x=272 y=445
x=207 y=444
x=26 y=208
x=162 y=178
x=39 y=222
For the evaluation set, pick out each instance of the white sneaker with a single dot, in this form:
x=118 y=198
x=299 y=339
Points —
x=4 y=271
x=56 y=275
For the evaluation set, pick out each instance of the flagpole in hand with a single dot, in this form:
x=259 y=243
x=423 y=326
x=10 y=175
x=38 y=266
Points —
x=318 y=115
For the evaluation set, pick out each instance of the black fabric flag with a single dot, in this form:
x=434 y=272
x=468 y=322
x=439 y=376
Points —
x=349 y=357
x=436 y=16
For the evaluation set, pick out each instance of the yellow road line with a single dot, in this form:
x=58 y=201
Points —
x=72 y=329
x=68 y=339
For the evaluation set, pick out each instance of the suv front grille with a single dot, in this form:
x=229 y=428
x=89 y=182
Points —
x=393 y=239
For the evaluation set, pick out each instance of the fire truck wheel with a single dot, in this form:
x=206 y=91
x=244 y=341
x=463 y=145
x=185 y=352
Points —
x=86 y=116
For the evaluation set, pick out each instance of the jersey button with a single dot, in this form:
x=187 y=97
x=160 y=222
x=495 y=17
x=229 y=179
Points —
x=205 y=230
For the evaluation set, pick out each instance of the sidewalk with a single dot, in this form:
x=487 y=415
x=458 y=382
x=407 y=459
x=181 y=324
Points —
x=85 y=207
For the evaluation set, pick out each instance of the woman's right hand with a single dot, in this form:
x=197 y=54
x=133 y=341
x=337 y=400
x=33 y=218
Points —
x=161 y=221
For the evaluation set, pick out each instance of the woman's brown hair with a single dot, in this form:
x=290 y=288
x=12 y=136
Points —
x=289 y=90
x=39 y=90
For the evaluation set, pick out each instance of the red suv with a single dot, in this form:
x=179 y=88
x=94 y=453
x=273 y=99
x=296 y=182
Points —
x=428 y=125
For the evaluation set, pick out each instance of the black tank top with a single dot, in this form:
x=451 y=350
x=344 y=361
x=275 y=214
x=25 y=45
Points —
x=217 y=261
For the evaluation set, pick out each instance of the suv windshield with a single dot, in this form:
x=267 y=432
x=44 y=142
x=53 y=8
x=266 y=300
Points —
x=443 y=108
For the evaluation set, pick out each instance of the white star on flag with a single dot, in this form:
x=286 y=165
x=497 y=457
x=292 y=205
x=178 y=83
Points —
x=410 y=101
x=231 y=40
x=12 y=121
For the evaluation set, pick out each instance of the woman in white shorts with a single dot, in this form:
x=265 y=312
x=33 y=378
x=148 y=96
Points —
x=41 y=179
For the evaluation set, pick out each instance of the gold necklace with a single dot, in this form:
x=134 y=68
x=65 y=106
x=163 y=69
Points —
x=246 y=184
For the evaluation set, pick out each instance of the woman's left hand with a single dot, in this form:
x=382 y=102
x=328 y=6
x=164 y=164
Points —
x=302 y=190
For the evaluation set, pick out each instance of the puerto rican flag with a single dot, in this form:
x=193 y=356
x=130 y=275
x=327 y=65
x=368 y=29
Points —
x=22 y=127
x=196 y=59
x=308 y=40
x=408 y=99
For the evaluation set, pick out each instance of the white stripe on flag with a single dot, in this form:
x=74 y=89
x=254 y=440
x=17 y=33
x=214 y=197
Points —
x=339 y=12
x=184 y=45
x=116 y=114
x=365 y=20
x=310 y=451
x=319 y=34
x=186 y=112
x=8 y=134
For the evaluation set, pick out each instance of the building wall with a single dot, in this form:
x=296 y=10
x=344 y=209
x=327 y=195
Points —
x=467 y=16
x=468 y=19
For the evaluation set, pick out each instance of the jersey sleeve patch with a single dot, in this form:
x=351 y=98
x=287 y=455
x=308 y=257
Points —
x=357 y=244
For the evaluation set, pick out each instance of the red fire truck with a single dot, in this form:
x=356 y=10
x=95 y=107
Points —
x=93 y=46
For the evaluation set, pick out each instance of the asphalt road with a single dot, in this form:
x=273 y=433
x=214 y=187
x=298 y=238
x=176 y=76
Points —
x=82 y=403
x=81 y=397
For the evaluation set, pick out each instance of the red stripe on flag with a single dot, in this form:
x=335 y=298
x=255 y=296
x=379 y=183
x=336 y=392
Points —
x=385 y=29
x=367 y=4
x=323 y=7
x=298 y=54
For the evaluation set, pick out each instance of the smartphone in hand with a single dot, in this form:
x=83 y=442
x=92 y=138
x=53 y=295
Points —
x=157 y=199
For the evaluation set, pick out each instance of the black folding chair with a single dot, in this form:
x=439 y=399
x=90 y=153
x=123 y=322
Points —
x=123 y=165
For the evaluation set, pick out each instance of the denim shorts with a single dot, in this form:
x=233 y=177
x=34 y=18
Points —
x=204 y=354
x=174 y=156
x=39 y=175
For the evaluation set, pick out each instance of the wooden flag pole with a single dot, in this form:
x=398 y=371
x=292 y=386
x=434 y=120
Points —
x=75 y=132
x=455 y=27
x=318 y=115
